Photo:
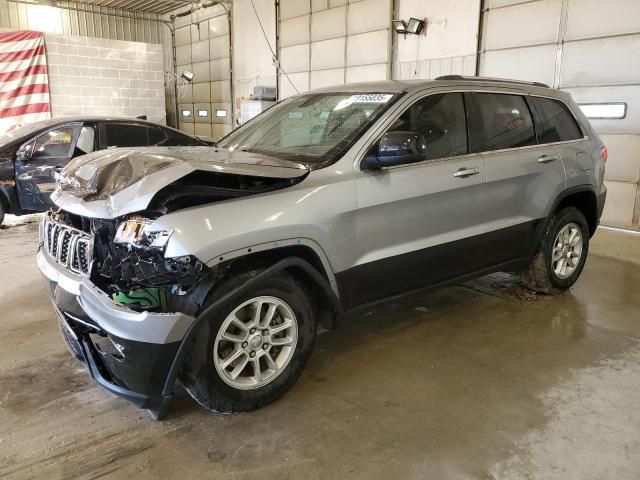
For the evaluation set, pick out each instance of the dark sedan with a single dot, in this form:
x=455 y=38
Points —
x=32 y=156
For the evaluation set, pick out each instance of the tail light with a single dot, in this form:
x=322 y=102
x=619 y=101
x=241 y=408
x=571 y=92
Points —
x=604 y=153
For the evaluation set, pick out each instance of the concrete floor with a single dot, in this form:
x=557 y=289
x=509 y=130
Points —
x=476 y=381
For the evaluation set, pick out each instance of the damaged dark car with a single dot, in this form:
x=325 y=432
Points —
x=32 y=156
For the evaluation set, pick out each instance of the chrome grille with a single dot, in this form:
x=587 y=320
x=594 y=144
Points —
x=68 y=246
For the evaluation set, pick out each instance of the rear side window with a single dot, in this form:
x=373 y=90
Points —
x=441 y=122
x=126 y=135
x=156 y=136
x=499 y=121
x=556 y=123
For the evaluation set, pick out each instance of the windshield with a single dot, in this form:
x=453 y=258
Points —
x=313 y=128
x=23 y=131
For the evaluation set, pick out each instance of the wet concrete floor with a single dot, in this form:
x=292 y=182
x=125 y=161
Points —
x=482 y=380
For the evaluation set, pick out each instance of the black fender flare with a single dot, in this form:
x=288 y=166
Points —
x=544 y=225
x=292 y=263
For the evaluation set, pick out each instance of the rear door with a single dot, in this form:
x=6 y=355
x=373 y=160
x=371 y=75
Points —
x=38 y=162
x=418 y=224
x=523 y=178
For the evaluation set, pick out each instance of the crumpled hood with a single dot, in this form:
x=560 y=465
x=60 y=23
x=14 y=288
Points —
x=110 y=183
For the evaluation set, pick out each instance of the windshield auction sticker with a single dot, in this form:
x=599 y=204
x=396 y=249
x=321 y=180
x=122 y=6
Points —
x=370 y=98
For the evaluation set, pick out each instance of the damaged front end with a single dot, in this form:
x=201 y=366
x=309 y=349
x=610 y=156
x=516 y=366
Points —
x=124 y=306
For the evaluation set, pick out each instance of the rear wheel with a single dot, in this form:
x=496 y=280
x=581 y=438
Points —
x=254 y=349
x=561 y=255
x=2 y=212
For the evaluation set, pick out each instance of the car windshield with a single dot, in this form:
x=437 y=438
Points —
x=313 y=128
x=23 y=131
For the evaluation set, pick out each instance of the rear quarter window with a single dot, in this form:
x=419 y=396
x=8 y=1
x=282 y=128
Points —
x=555 y=122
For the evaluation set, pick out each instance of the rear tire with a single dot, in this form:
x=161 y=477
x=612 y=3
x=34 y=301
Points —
x=290 y=306
x=561 y=255
x=2 y=212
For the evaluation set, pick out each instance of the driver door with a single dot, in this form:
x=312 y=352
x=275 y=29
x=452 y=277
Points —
x=418 y=223
x=39 y=161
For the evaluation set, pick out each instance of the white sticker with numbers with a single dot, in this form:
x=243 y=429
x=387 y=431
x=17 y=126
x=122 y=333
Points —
x=370 y=98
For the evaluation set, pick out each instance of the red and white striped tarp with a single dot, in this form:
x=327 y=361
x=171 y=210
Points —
x=24 y=83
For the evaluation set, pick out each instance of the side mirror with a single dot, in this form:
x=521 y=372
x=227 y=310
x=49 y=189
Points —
x=396 y=148
x=24 y=152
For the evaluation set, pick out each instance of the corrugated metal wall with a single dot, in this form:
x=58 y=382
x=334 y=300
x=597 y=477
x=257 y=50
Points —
x=94 y=23
x=590 y=49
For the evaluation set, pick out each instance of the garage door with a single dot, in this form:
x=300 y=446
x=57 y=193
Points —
x=591 y=49
x=202 y=46
x=330 y=42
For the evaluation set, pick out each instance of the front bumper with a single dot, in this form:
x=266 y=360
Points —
x=129 y=353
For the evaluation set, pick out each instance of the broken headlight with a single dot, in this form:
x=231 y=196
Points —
x=138 y=232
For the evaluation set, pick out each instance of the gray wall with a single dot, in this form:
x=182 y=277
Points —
x=93 y=76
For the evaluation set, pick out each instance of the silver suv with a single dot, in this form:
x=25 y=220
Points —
x=214 y=266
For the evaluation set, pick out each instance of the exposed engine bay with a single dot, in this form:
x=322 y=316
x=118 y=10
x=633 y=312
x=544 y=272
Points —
x=128 y=263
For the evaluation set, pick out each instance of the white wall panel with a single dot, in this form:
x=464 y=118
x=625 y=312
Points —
x=220 y=130
x=618 y=209
x=293 y=8
x=590 y=18
x=623 y=164
x=203 y=129
x=218 y=26
x=536 y=64
x=201 y=71
x=300 y=80
x=219 y=47
x=327 y=54
x=328 y=24
x=183 y=36
x=220 y=69
x=201 y=92
x=220 y=106
x=628 y=94
x=200 y=51
x=506 y=27
x=324 y=78
x=183 y=54
x=220 y=91
x=295 y=59
x=368 y=15
x=202 y=106
x=317 y=5
x=252 y=57
x=601 y=61
x=368 y=48
x=367 y=73
x=336 y=3
x=294 y=31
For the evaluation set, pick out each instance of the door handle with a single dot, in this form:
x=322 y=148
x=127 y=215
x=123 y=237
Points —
x=466 y=172
x=547 y=158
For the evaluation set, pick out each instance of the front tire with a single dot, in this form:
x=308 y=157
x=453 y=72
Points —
x=562 y=254
x=253 y=351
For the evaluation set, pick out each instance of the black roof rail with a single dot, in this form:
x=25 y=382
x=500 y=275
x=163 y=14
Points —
x=480 y=79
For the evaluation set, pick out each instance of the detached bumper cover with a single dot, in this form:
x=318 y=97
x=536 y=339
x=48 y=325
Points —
x=127 y=352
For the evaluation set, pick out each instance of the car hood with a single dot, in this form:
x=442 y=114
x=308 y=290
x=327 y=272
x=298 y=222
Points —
x=111 y=183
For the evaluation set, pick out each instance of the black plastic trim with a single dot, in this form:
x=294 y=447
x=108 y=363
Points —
x=432 y=266
x=286 y=264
